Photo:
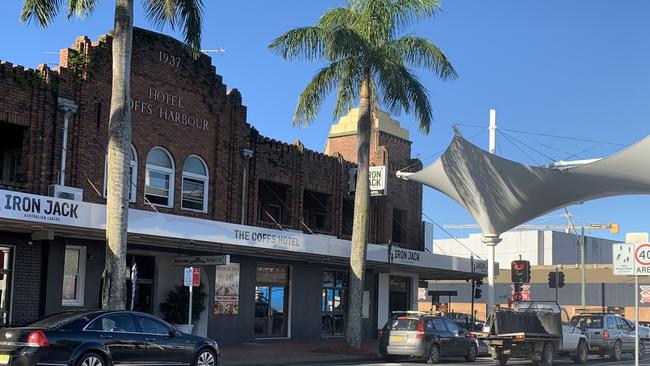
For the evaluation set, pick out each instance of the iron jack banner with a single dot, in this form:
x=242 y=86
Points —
x=21 y=206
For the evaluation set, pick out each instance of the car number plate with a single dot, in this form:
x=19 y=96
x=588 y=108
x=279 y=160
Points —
x=397 y=339
x=594 y=348
x=4 y=359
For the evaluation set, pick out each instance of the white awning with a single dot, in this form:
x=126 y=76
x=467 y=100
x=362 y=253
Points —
x=501 y=194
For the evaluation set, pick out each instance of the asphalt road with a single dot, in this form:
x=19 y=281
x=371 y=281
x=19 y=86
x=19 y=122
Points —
x=484 y=361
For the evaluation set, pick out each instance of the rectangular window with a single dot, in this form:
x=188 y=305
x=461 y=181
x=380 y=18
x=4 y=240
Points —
x=193 y=194
x=157 y=187
x=12 y=166
x=74 y=274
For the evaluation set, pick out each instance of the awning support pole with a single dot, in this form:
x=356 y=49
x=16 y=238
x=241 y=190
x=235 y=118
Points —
x=491 y=241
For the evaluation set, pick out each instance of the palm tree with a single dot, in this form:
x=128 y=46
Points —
x=366 y=61
x=184 y=13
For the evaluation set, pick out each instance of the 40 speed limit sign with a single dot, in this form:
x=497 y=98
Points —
x=642 y=259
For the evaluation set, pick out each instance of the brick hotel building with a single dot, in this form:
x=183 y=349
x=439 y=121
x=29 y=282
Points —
x=204 y=183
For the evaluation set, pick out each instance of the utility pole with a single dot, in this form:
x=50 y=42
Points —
x=557 y=282
x=583 y=272
x=471 y=317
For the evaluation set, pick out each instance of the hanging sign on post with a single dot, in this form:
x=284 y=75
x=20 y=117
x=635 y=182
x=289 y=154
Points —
x=196 y=276
x=187 y=277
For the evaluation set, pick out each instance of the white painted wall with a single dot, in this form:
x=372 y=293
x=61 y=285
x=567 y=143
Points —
x=382 y=299
x=539 y=247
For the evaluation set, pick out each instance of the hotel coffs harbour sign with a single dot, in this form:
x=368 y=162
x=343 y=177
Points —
x=20 y=206
x=168 y=107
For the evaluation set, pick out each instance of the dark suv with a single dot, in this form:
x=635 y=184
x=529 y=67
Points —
x=425 y=335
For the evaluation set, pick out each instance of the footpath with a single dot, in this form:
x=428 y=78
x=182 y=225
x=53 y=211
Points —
x=292 y=352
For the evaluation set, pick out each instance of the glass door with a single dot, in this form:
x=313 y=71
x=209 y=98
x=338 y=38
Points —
x=271 y=299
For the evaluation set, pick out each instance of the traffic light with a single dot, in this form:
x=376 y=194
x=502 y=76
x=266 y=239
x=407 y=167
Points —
x=520 y=271
x=560 y=279
x=478 y=293
x=479 y=282
x=556 y=279
x=552 y=279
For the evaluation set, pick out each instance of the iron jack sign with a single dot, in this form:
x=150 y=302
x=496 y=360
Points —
x=377 y=178
x=20 y=206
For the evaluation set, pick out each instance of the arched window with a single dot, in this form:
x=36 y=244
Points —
x=159 y=184
x=133 y=172
x=195 y=184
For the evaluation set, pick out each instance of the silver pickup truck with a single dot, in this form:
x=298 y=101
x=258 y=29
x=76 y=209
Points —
x=610 y=334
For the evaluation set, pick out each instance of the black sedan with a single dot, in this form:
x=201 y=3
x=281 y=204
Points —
x=103 y=338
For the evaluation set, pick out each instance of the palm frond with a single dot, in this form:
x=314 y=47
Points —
x=406 y=12
x=190 y=13
x=342 y=43
x=306 y=43
x=348 y=89
x=337 y=17
x=43 y=11
x=185 y=14
x=420 y=52
x=80 y=8
x=161 y=12
x=312 y=97
x=401 y=90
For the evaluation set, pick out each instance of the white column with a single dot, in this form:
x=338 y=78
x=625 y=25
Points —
x=414 y=292
x=382 y=299
x=491 y=241
x=492 y=148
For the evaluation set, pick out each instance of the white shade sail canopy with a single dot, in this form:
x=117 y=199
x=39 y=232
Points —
x=501 y=194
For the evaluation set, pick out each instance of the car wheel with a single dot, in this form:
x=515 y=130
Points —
x=471 y=354
x=617 y=352
x=501 y=360
x=547 y=355
x=641 y=350
x=91 y=359
x=434 y=354
x=581 y=353
x=205 y=357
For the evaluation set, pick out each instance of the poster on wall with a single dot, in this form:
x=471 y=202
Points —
x=226 y=289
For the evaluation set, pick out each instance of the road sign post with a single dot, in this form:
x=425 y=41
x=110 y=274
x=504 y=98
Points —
x=641 y=268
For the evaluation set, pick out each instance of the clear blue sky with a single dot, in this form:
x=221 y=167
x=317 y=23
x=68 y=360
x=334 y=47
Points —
x=570 y=68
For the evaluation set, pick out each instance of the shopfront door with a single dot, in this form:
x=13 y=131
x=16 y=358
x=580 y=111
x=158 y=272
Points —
x=271 y=299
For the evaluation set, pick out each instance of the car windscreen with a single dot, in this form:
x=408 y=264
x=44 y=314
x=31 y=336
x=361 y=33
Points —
x=403 y=324
x=56 y=320
x=587 y=322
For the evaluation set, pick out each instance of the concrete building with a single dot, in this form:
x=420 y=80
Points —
x=540 y=247
x=545 y=250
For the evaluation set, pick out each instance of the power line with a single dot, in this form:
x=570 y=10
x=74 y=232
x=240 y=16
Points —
x=562 y=137
x=520 y=149
x=451 y=236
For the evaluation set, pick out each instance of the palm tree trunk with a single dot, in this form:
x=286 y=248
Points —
x=119 y=145
x=360 y=225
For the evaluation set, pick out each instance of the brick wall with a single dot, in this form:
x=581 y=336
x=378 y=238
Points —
x=181 y=104
x=27 y=274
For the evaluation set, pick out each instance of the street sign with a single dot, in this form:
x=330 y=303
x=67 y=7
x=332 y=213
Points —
x=645 y=294
x=623 y=259
x=187 y=277
x=196 y=276
x=642 y=259
x=523 y=295
x=203 y=260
